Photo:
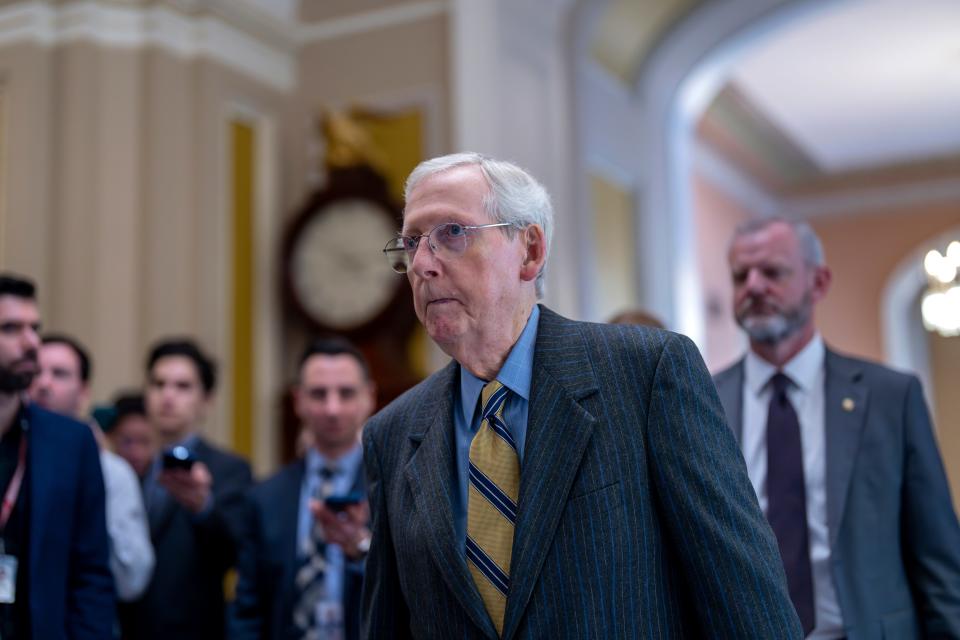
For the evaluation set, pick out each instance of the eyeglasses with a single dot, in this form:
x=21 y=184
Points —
x=447 y=240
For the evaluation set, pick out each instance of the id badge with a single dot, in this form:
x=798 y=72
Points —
x=330 y=620
x=8 y=579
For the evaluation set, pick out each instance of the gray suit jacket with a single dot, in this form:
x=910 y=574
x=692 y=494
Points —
x=636 y=517
x=894 y=539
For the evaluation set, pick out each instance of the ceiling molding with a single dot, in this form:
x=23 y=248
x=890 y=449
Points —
x=738 y=184
x=188 y=36
x=877 y=199
x=370 y=21
x=749 y=136
x=840 y=200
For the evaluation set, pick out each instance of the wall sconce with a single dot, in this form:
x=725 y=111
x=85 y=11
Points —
x=941 y=301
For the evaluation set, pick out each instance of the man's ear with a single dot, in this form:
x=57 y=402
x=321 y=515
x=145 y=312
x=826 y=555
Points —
x=822 y=277
x=535 y=252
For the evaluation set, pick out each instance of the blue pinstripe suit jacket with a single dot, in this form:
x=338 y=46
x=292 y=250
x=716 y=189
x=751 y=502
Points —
x=636 y=517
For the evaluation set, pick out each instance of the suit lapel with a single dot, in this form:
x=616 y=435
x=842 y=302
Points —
x=432 y=477
x=730 y=389
x=558 y=430
x=288 y=507
x=845 y=411
x=41 y=463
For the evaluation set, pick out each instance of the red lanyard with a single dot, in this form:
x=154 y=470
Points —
x=13 y=489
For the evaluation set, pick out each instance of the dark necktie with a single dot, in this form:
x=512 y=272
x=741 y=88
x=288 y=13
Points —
x=309 y=578
x=787 y=499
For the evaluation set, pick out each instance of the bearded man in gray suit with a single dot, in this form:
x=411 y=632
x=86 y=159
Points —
x=841 y=453
x=558 y=479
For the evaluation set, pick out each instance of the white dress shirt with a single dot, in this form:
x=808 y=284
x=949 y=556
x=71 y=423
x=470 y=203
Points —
x=131 y=553
x=806 y=371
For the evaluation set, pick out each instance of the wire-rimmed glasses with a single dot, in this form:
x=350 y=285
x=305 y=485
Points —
x=445 y=240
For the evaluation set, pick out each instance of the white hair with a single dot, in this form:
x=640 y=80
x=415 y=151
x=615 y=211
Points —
x=810 y=245
x=515 y=196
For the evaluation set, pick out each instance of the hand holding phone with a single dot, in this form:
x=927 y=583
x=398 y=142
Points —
x=340 y=503
x=178 y=457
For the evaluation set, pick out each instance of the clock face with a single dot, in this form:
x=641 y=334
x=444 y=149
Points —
x=337 y=269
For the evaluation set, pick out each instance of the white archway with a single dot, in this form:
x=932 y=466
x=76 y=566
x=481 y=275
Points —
x=904 y=341
x=675 y=85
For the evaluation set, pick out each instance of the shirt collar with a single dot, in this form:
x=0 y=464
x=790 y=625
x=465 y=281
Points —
x=347 y=463
x=802 y=369
x=515 y=374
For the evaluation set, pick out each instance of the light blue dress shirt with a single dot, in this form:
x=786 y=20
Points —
x=347 y=467
x=516 y=374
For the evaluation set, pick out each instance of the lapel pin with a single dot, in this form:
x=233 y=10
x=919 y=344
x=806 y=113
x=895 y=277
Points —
x=848 y=404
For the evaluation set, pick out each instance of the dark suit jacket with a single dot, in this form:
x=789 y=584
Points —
x=70 y=584
x=268 y=561
x=185 y=596
x=894 y=539
x=636 y=517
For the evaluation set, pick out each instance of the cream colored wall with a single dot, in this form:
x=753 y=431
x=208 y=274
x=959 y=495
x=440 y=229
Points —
x=314 y=11
x=863 y=250
x=613 y=236
x=945 y=371
x=717 y=215
x=114 y=198
x=392 y=67
x=26 y=201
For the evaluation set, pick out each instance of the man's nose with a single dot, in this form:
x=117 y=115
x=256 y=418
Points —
x=755 y=280
x=42 y=380
x=424 y=262
x=333 y=404
x=31 y=339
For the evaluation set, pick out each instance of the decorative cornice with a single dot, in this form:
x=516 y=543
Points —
x=744 y=188
x=370 y=21
x=190 y=36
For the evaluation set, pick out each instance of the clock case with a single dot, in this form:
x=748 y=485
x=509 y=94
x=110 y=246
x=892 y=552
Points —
x=351 y=183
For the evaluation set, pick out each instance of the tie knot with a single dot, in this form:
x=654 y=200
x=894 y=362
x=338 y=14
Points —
x=327 y=473
x=492 y=397
x=780 y=383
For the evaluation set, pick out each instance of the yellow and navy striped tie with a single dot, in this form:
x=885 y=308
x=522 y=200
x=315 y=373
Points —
x=492 y=503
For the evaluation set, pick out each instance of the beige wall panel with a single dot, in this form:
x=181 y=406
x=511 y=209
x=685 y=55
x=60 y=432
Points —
x=117 y=264
x=385 y=66
x=75 y=216
x=716 y=216
x=172 y=247
x=222 y=95
x=945 y=371
x=863 y=250
x=27 y=79
x=613 y=234
x=315 y=11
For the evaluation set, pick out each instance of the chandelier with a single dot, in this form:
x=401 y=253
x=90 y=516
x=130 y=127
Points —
x=941 y=301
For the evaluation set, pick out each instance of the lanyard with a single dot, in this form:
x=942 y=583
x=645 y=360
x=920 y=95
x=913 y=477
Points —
x=13 y=489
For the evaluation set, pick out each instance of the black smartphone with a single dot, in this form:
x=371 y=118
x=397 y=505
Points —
x=339 y=503
x=178 y=457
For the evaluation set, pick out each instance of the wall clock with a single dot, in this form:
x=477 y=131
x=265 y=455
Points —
x=335 y=275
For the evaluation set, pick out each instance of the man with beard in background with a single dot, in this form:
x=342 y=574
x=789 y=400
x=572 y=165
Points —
x=841 y=453
x=55 y=579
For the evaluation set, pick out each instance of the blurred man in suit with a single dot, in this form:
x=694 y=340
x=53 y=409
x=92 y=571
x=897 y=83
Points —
x=841 y=453
x=63 y=385
x=55 y=578
x=302 y=567
x=196 y=512
x=558 y=479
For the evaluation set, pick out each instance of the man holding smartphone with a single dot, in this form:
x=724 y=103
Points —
x=194 y=494
x=301 y=568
